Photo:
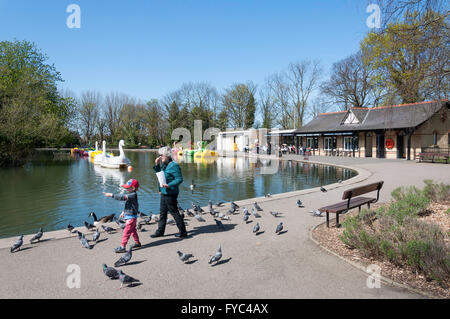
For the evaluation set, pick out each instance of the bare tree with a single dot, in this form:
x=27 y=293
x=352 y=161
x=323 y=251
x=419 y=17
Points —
x=89 y=112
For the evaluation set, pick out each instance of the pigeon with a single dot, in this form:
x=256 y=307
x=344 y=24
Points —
x=323 y=189
x=80 y=235
x=257 y=207
x=70 y=228
x=155 y=217
x=268 y=195
x=279 y=228
x=17 y=244
x=316 y=213
x=189 y=213
x=219 y=224
x=147 y=220
x=192 y=187
x=110 y=272
x=210 y=205
x=89 y=226
x=142 y=215
x=212 y=211
x=170 y=221
x=275 y=214
x=124 y=259
x=199 y=218
x=255 y=213
x=234 y=205
x=299 y=203
x=96 y=236
x=256 y=228
x=216 y=256
x=184 y=257
x=37 y=236
x=223 y=217
x=197 y=208
x=125 y=279
x=246 y=211
x=246 y=218
x=108 y=229
x=120 y=223
x=220 y=204
x=340 y=181
x=231 y=211
x=139 y=226
x=85 y=243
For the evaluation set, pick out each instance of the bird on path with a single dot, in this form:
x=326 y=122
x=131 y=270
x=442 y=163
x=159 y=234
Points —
x=120 y=223
x=219 y=224
x=268 y=195
x=147 y=220
x=299 y=203
x=170 y=221
x=110 y=272
x=142 y=215
x=323 y=189
x=124 y=259
x=17 y=244
x=210 y=205
x=275 y=214
x=85 y=243
x=256 y=228
x=316 y=213
x=255 y=213
x=189 y=213
x=108 y=229
x=197 y=208
x=192 y=186
x=216 y=256
x=246 y=211
x=125 y=279
x=340 y=181
x=70 y=228
x=96 y=236
x=223 y=216
x=183 y=256
x=245 y=218
x=80 y=235
x=89 y=226
x=279 y=228
x=199 y=218
x=104 y=219
x=37 y=236
x=258 y=208
x=220 y=204
x=234 y=206
x=212 y=212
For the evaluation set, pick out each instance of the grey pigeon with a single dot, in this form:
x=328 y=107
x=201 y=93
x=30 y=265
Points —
x=212 y=211
x=255 y=213
x=108 y=229
x=220 y=204
x=210 y=204
x=189 y=213
x=80 y=235
x=85 y=243
x=234 y=205
x=223 y=217
x=268 y=195
x=231 y=210
x=110 y=272
x=216 y=256
x=199 y=218
x=246 y=211
x=316 y=213
x=17 y=244
x=142 y=215
x=89 y=226
x=219 y=224
x=170 y=221
x=125 y=279
x=340 y=181
x=70 y=228
x=184 y=257
x=119 y=222
x=96 y=235
x=323 y=189
x=246 y=218
x=197 y=208
x=147 y=220
x=256 y=228
x=124 y=259
x=299 y=203
x=37 y=236
x=275 y=214
x=279 y=228
x=257 y=206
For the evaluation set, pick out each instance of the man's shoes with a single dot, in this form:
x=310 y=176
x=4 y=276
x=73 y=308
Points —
x=182 y=235
x=136 y=246
x=156 y=235
x=120 y=249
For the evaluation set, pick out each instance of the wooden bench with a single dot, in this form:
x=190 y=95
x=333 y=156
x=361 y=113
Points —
x=423 y=156
x=353 y=200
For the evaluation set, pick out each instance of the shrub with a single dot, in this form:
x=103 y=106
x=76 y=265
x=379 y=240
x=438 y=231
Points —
x=437 y=192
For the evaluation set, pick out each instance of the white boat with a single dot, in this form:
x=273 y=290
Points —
x=120 y=161
x=99 y=158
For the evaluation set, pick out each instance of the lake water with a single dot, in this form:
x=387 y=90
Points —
x=53 y=192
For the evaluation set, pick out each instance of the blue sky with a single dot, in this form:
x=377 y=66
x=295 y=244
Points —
x=149 y=48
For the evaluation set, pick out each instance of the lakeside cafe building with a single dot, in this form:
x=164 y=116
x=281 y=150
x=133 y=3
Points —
x=397 y=131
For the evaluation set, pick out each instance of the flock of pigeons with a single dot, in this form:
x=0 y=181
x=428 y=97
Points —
x=112 y=273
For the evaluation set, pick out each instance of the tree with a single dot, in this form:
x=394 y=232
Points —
x=410 y=58
x=350 y=84
x=239 y=102
x=89 y=113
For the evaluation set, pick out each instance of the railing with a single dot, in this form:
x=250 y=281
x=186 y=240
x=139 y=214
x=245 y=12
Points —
x=439 y=150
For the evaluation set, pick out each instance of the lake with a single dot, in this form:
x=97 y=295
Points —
x=53 y=192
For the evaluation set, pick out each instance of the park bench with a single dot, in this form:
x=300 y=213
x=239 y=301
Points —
x=353 y=200
x=433 y=155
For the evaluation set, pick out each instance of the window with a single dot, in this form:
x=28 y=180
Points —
x=348 y=143
x=312 y=142
x=435 y=138
x=329 y=143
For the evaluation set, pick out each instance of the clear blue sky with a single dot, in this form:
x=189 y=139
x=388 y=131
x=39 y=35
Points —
x=149 y=48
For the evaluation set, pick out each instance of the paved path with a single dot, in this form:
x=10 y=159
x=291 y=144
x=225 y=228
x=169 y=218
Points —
x=263 y=266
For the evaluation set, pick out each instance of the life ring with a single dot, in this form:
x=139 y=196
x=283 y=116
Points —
x=390 y=143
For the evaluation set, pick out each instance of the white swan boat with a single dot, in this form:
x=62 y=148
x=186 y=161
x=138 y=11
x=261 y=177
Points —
x=120 y=161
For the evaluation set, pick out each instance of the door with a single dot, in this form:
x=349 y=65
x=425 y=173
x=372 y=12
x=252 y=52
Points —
x=380 y=145
x=368 y=144
x=400 y=146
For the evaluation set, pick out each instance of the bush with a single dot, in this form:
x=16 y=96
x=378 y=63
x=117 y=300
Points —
x=437 y=192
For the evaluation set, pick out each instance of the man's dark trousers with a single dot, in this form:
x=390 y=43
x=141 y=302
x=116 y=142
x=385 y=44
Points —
x=169 y=204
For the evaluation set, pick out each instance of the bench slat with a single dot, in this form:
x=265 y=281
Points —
x=342 y=206
x=362 y=190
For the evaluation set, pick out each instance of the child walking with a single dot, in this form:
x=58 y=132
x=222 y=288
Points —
x=129 y=214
